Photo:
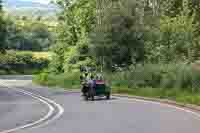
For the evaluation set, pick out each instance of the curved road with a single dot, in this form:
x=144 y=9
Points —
x=119 y=115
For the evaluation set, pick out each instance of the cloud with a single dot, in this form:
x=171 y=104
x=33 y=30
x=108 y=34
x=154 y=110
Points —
x=39 y=1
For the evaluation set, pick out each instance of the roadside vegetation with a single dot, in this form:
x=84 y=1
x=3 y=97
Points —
x=174 y=82
x=147 y=49
x=15 y=62
x=27 y=34
x=24 y=43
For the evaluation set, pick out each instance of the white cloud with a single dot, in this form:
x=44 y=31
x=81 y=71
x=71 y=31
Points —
x=40 y=1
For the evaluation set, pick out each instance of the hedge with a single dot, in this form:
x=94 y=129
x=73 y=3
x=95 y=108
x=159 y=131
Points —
x=21 y=62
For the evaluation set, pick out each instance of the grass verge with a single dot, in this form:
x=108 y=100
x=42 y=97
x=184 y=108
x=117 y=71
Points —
x=62 y=80
x=71 y=81
x=174 y=95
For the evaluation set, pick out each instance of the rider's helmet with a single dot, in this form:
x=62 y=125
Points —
x=86 y=74
x=91 y=77
x=99 y=76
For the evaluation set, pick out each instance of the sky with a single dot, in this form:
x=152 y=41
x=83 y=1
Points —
x=40 y=1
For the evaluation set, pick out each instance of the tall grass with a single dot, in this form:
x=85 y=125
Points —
x=170 y=76
x=178 y=82
x=65 y=80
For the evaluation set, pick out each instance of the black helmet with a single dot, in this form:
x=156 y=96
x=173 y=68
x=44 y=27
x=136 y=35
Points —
x=92 y=77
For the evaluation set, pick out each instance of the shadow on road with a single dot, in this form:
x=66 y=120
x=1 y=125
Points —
x=104 y=99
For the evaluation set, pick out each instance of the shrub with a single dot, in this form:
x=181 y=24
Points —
x=169 y=76
x=65 y=80
x=22 y=62
x=166 y=80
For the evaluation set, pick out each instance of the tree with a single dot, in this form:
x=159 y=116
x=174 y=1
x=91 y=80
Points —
x=119 y=37
x=177 y=35
x=75 y=24
x=1 y=7
x=2 y=29
x=27 y=35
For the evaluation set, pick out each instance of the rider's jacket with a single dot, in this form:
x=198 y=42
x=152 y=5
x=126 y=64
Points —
x=84 y=79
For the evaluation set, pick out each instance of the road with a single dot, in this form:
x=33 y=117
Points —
x=27 y=108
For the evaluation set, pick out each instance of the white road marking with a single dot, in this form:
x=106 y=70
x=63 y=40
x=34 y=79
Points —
x=154 y=102
x=45 y=101
x=161 y=104
x=59 y=107
x=61 y=110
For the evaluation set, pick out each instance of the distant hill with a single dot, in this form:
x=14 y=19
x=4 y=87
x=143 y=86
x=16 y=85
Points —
x=28 y=8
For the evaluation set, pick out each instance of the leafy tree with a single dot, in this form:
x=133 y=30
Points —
x=176 y=35
x=75 y=24
x=2 y=29
x=126 y=32
x=27 y=35
x=120 y=36
x=1 y=7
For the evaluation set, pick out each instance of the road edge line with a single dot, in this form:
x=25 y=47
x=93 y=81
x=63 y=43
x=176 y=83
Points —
x=192 y=109
x=42 y=99
x=189 y=108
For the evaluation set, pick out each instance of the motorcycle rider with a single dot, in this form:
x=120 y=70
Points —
x=84 y=80
x=91 y=82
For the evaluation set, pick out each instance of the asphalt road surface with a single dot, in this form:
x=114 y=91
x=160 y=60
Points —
x=27 y=108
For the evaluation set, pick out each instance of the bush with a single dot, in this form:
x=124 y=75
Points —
x=21 y=62
x=180 y=76
x=65 y=80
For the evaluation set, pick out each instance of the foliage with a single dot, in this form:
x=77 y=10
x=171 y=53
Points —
x=179 y=76
x=1 y=5
x=125 y=34
x=22 y=62
x=2 y=29
x=27 y=35
x=76 y=22
x=156 y=42
x=175 y=39
x=183 y=97
x=65 y=80
x=176 y=35
x=133 y=83
x=119 y=36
